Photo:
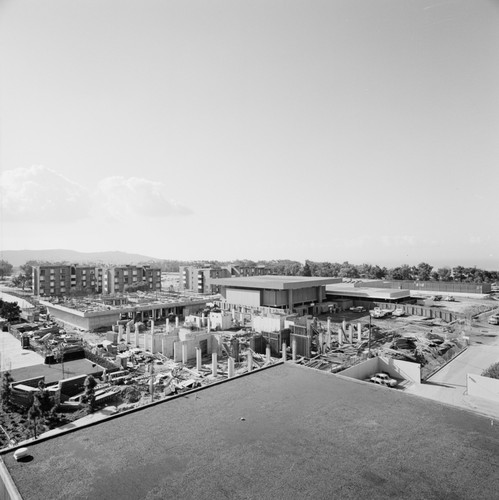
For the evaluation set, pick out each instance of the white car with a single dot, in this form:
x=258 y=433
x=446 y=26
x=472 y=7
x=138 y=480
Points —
x=494 y=319
x=398 y=312
x=383 y=379
x=357 y=309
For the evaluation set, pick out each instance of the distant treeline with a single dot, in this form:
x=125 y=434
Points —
x=423 y=271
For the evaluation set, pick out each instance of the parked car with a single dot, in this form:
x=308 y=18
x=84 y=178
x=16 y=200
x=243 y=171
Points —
x=377 y=312
x=494 y=319
x=398 y=312
x=450 y=298
x=383 y=379
x=358 y=309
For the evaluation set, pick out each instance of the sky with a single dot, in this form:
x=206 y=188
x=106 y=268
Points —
x=328 y=130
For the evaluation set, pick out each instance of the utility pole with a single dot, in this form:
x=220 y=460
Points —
x=369 y=342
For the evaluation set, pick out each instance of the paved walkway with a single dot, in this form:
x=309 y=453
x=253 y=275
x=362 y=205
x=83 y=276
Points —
x=22 y=303
x=13 y=356
x=449 y=384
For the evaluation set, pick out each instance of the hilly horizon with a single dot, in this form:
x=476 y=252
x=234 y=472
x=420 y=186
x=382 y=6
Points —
x=19 y=257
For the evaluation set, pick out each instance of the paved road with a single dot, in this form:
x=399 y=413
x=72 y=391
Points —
x=474 y=360
x=449 y=384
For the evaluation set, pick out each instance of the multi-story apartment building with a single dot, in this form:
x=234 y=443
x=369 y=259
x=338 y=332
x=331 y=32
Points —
x=73 y=279
x=199 y=279
x=52 y=279
x=119 y=279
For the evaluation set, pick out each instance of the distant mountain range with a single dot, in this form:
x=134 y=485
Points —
x=19 y=257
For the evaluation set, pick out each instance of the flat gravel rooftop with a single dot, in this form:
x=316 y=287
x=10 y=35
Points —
x=273 y=282
x=281 y=433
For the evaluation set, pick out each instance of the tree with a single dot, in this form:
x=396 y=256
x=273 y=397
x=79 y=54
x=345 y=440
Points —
x=424 y=271
x=5 y=268
x=444 y=274
x=306 y=269
x=21 y=280
x=27 y=268
x=43 y=399
x=492 y=371
x=6 y=389
x=89 y=396
x=403 y=272
x=434 y=276
x=34 y=414
x=458 y=273
x=9 y=310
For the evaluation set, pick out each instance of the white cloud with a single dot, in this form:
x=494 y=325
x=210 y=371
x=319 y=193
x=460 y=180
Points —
x=37 y=193
x=123 y=198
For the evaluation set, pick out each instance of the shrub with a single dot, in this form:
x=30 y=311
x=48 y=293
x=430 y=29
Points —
x=492 y=371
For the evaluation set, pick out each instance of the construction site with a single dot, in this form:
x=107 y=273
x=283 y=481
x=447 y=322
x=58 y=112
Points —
x=139 y=360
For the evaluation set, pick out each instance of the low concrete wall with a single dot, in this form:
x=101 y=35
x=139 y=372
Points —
x=482 y=387
x=362 y=370
x=401 y=369
x=395 y=368
x=268 y=324
x=8 y=489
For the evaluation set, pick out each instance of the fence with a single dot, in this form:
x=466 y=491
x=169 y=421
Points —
x=427 y=312
x=428 y=286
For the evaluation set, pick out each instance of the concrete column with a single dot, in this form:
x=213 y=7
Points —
x=350 y=333
x=214 y=364
x=120 y=333
x=329 y=325
x=293 y=349
x=250 y=361
x=328 y=339
x=152 y=327
x=359 y=332
x=267 y=353
x=233 y=315
x=176 y=321
x=241 y=318
x=203 y=319
x=154 y=348
x=177 y=354
x=136 y=335
x=284 y=351
x=198 y=359
x=208 y=325
x=230 y=367
x=184 y=353
x=163 y=345
x=340 y=334
x=344 y=324
x=321 y=341
x=128 y=333
x=167 y=326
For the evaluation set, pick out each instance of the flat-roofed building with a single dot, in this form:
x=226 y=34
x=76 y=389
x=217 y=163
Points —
x=201 y=279
x=117 y=279
x=289 y=293
x=347 y=291
x=287 y=431
x=57 y=280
